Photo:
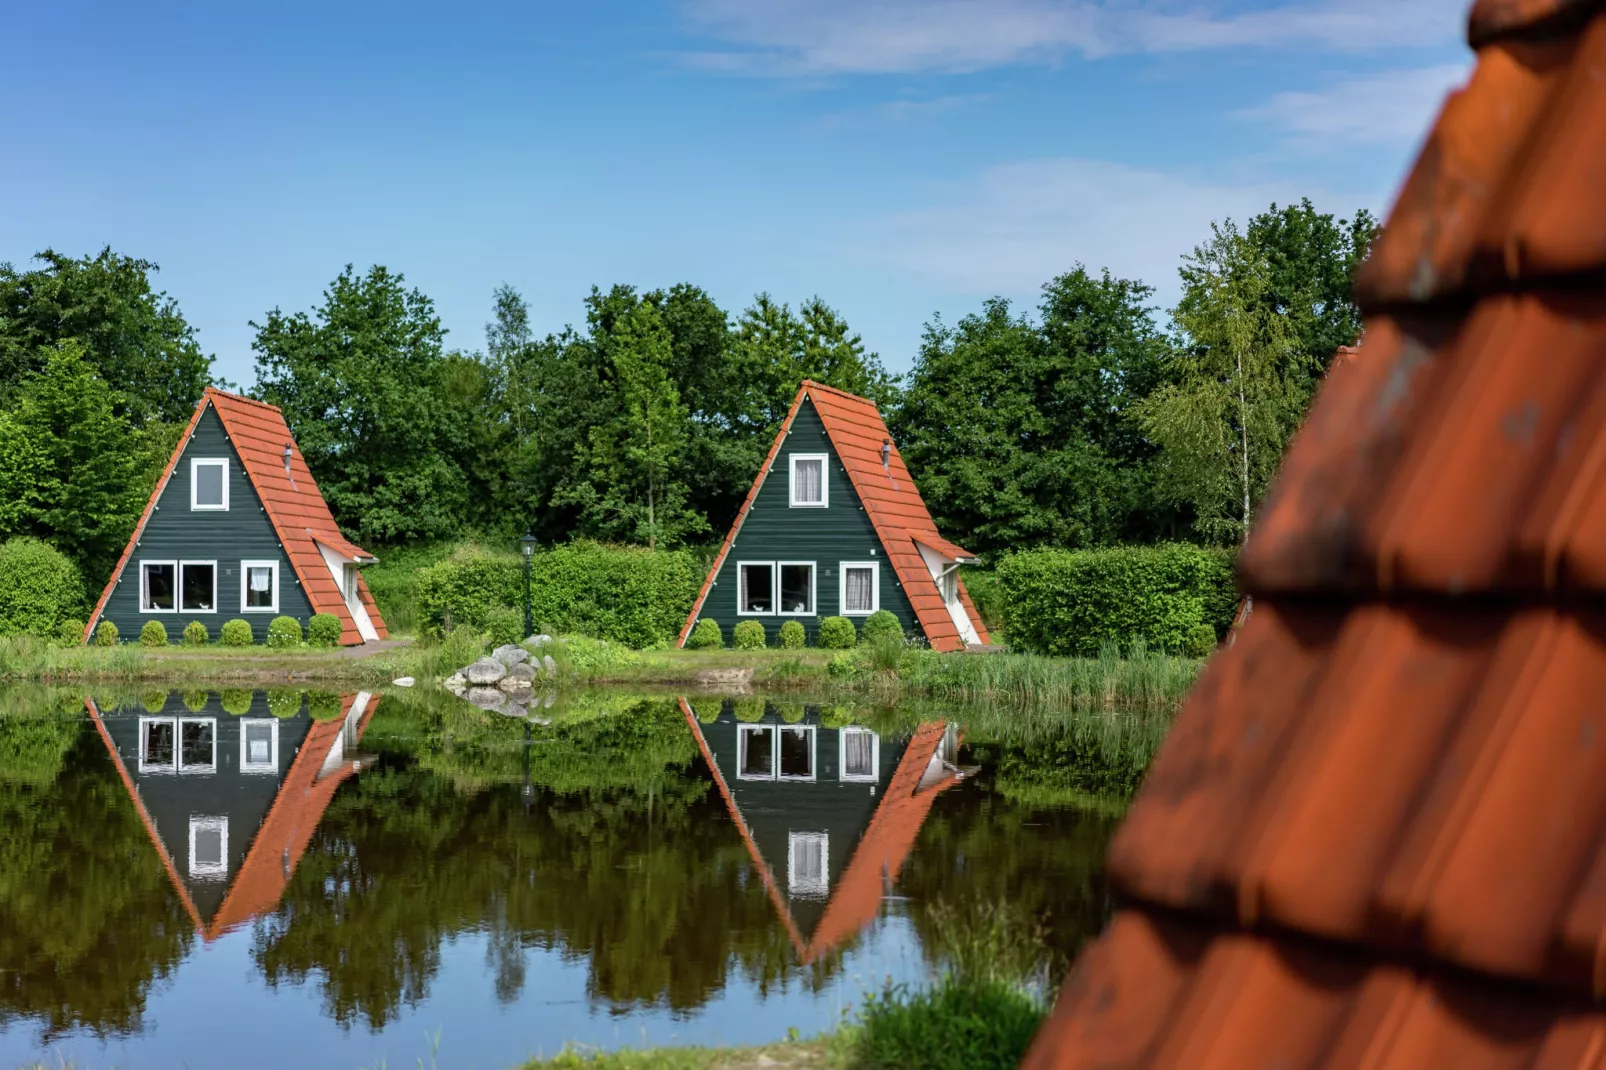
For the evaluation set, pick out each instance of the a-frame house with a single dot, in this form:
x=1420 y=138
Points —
x=237 y=528
x=835 y=526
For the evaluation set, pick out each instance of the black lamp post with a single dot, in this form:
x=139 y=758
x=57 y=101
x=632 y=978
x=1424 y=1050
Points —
x=527 y=547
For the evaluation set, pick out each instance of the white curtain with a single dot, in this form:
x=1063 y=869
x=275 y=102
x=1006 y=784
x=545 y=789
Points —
x=858 y=590
x=809 y=476
x=858 y=747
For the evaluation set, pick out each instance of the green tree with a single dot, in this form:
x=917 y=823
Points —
x=133 y=336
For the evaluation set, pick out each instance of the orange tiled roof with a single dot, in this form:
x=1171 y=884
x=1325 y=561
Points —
x=1393 y=776
x=891 y=500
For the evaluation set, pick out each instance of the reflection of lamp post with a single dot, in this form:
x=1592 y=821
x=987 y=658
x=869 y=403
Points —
x=528 y=790
x=527 y=547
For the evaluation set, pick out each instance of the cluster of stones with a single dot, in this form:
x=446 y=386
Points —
x=513 y=679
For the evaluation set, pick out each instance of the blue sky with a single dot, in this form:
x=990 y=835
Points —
x=897 y=157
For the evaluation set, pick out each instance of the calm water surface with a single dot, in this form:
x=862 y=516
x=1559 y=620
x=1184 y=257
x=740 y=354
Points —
x=276 y=879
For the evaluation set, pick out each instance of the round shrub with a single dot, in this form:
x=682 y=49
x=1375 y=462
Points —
x=284 y=703
x=284 y=632
x=153 y=701
x=39 y=587
x=837 y=633
x=1201 y=641
x=793 y=712
x=237 y=702
x=750 y=710
x=195 y=634
x=323 y=705
x=323 y=630
x=106 y=634
x=195 y=701
x=792 y=635
x=153 y=634
x=882 y=623
x=748 y=635
x=70 y=632
x=705 y=635
x=236 y=633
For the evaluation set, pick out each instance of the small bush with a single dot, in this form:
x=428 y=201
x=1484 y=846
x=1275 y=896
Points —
x=323 y=705
x=504 y=625
x=105 y=634
x=195 y=700
x=959 y=1025
x=70 y=632
x=236 y=633
x=284 y=632
x=705 y=635
x=748 y=635
x=881 y=623
x=153 y=701
x=582 y=654
x=323 y=630
x=195 y=634
x=237 y=702
x=843 y=666
x=284 y=703
x=886 y=650
x=750 y=710
x=837 y=633
x=792 y=635
x=39 y=588
x=1201 y=641
x=154 y=633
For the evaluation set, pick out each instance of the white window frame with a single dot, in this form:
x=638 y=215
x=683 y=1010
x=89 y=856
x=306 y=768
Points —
x=144 y=589
x=795 y=887
x=842 y=587
x=146 y=767
x=825 y=481
x=178 y=599
x=245 y=580
x=814 y=589
x=195 y=768
x=195 y=464
x=775 y=588
x=198 y=823
x=874 y=775
x=272 y=764
x=742 y=732
x=814 y=753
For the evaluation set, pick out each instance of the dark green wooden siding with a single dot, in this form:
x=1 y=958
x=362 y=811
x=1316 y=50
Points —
x=175 y=532
x=774 y=531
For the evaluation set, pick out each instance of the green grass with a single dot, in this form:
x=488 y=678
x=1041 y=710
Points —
x=830 y=1052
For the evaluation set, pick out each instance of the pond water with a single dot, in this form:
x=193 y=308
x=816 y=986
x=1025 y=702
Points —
x=322 y=880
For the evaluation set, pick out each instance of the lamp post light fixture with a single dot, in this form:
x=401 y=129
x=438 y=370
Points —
x=527 y=547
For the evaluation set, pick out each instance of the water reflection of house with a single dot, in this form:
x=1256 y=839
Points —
x=230 y=802
x=829 y=814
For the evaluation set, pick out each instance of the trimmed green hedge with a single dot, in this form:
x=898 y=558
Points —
x=705 y=635
x=748 y=635
x=195 y=634
x=323 y=629
x=284 y=632
x=838 y=633
x=1074 y=601
x=39 y=588
x=880 y=624
x=625 y=594
x=154 y=633
x=793 y=637
x=105 y=634
x=236 y=632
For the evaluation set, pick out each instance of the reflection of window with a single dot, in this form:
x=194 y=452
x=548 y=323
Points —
x=860 y=754
x=757 y=594
x=158 y=743
x=755 y=759
x=808 y=854
x=197 y=745
x=861 y=587
x=259 y=586
x=259 y=746
x=209 y=484
x=797 y=588
x=197 y=582
x=157 y=586
x=797 y=752
x=209 y=846
x=808 y=480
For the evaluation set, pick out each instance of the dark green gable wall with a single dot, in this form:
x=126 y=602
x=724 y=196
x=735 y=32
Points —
x=774 y=531
x=176 y=533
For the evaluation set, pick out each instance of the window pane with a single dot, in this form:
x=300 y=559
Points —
x=198 y=585
x=807 y=858
x=950 y=587
x=858 y=746
x=797 y=588
x=158 y=743
x=758 y=752
x=158 y=587
x=757 y=596
x=797 y=752
x=259 y=587
x=259 y=744
x=808 y=481
x=209 y=484
x=196 y=737
x=861 y=592
x=209 y=847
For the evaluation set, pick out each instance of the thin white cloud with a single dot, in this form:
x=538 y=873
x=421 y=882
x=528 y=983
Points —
x=789 y=38
x=1386 y=108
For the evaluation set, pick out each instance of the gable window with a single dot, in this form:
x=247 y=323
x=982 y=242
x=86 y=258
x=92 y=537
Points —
x=861 y=588
x=755 y=746
x=756 y=583
x=158 y=738
x=797 y=587
x=808 y=859
x=259 y=745
x=209 y=846
x=197 y=740
x=860 y=755
x=158 y=586
x=197 y=582
x=259 y=586
x=797 y=752
x=209 y=483
x=949 y=585
x=808 y=480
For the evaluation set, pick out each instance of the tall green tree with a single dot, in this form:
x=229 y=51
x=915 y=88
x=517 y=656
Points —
x=132 y=335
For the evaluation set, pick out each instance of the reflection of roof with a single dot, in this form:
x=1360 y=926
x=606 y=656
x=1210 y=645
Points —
x=1376 y=834
x=278 y=845
x=877 y=858
x=891 y=501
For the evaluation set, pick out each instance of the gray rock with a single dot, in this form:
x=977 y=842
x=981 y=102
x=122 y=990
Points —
x=403 y=681
x=523 y=671
x=486 y=698
x=548 y=664
x=513 y=683
x=538 y=640
x=510 y=655
x=485 y=671
x=455 y=683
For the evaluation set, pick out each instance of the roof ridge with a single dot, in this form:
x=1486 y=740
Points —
x=815 y=384
x=232 y=396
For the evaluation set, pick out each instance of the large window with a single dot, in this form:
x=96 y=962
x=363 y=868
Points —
x=259 y=586
x=197 y=582
x=197 y=745
x=808 y=480
x=755 y=747
x=861 y=588
x=209 y=483
x=860 y=755
x=158 y=745
x=775 y=752
x=158 y=586
x=797 y=588
x=808 y=860
x=797 y=752
x=756 y=587
x=209 y=846
x=259 y=745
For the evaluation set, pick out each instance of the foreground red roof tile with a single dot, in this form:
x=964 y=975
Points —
x=1376 y=835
